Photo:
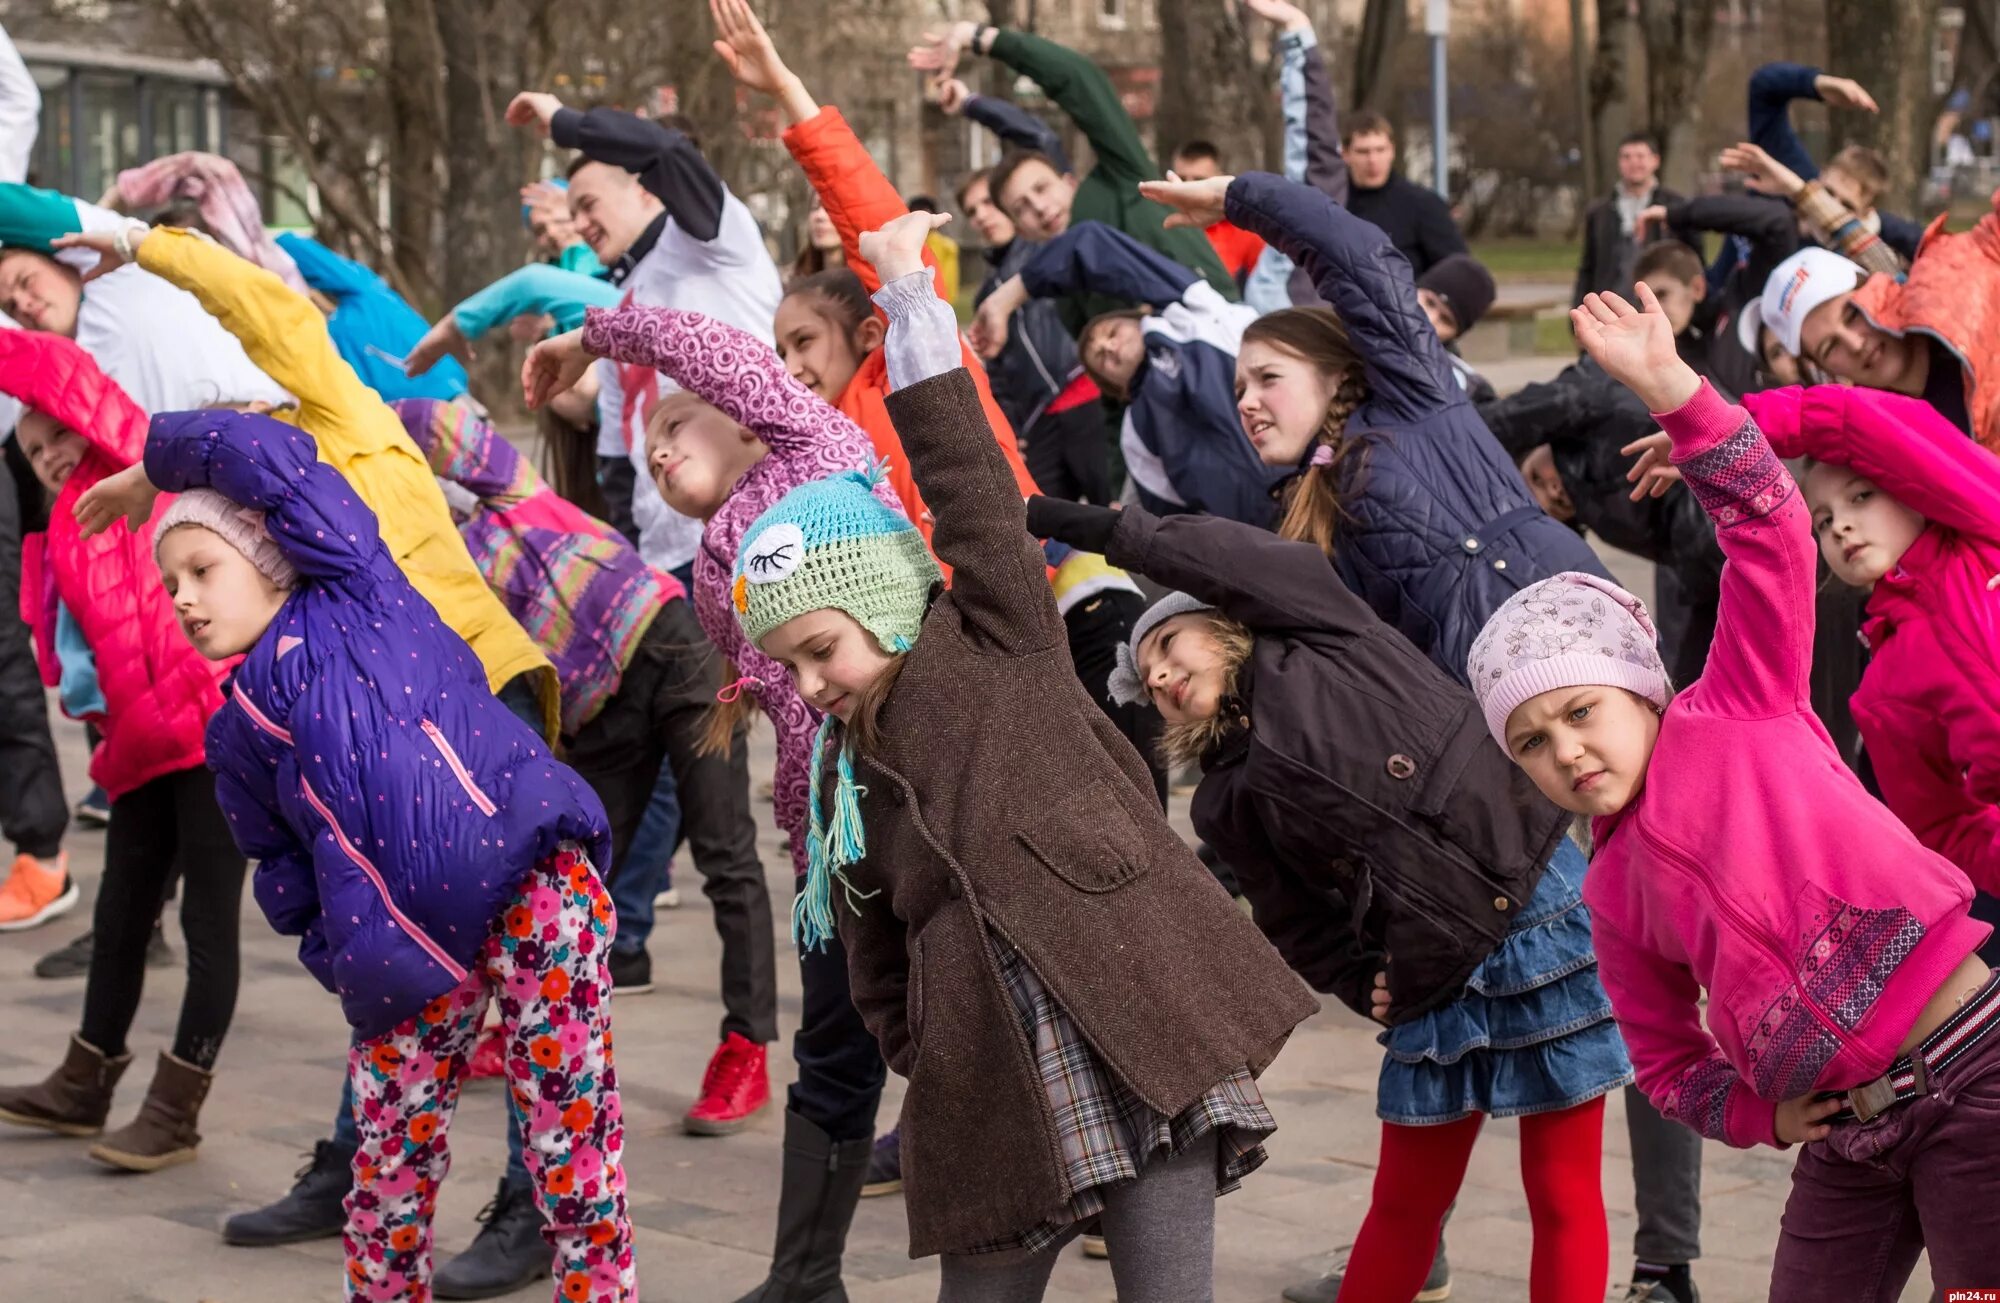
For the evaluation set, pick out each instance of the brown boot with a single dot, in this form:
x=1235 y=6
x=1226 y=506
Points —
x=163 y=1134
x=74 y=1099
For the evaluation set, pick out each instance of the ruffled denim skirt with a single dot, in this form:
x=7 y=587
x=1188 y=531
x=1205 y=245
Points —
x=1533 y=1031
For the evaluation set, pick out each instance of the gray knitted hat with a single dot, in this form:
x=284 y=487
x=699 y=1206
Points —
x=1125 y=685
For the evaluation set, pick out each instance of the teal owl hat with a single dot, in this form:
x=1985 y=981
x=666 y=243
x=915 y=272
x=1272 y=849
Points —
x=832 y=543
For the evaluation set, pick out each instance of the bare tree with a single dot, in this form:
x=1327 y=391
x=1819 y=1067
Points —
x=1886 y=46
x=1377 y=54
x=1676 y=35
x=1213 y=88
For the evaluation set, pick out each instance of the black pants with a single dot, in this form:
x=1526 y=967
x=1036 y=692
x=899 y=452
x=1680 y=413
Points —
x=618 y=478
x=1097 y=628
x=1066 y=454
x=33 y=813
x=172 y=823
x=840 y=1066
x=657 y=716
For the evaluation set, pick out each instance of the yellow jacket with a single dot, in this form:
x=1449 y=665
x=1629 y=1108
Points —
x=359 y=436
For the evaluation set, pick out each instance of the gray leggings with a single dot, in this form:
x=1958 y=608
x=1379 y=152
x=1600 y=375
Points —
x=1160 y=1230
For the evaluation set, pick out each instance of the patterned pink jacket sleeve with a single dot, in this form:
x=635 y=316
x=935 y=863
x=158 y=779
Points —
x=740 y=374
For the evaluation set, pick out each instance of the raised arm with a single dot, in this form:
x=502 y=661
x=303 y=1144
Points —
x=1092 y=258
x=20 y=112
x=850 y=185
x=313 y=514
x=461 y=447
x=330 y=273
x=53 y=376
x=34 y=218
x=1081 y=90
x=1016 y=127
x=1363 y=278
x=729 y=368
x=1325 y=166
x=534 y=290
x=1767 y=224
x=1836 y=226
x=1773 y=87
x=666 y=162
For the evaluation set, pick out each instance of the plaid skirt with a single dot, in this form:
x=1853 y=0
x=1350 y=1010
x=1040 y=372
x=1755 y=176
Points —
x=1107 y=1133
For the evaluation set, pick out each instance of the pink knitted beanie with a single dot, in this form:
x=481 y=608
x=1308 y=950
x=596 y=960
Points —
x=241 y=527
x=1565 y=631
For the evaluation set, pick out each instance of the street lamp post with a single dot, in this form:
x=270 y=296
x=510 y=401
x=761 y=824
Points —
x=1437 y=23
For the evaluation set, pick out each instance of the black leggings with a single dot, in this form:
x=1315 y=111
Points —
x=170 y=823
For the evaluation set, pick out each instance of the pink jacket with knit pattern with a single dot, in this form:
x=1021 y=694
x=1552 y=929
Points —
x=1753 y=865
x=1929 y=704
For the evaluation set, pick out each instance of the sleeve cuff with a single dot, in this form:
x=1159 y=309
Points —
x=923 y=332
x=566 y=128
x=1305 y=38
x=1701 y=422
x=1752 y=1121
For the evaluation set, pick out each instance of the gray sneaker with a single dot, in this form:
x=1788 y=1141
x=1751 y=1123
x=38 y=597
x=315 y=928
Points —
x=1437 y=1285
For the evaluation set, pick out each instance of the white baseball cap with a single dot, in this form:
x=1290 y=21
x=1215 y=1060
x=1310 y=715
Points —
x=1800 y=283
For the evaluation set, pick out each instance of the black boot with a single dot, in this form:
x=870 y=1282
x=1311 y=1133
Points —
x=311 y=1211
x=822 y=1184
x=508 y=1254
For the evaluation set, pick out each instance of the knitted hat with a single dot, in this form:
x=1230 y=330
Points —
x=1465 y=285
x=241 y=527
x=1125 y=684
x=832 y=543
x=1565 y=631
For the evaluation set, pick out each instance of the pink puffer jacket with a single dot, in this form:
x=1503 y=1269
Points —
x=159 y=691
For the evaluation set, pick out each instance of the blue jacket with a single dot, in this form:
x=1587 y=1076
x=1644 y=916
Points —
x=1773 y=87
x=1442 y=527
x=1183 y=443
x=537 y=289
x=393 y=804
x=371 y=325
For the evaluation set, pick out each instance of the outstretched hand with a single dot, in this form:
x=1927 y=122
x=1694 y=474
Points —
x=102 y=243
x=951 y=95
x=533 y=108
x=1288 y=17
x=1635 y=346
x=445 y=337
x=1761 y=171
x=897 y=249
x=1654 y=472
x=988 y=331
x=127 y=495
x=552 y=367
x=746 y=48
x=1844 y=93
x=1195 y=203
x=939 y=52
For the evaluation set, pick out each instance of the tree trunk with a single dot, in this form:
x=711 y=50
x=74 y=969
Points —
x=1886 y=46
x=1676 y=37
x=1611 y=114
x=1213 y=90
x=1384 y=24
x=415 y=143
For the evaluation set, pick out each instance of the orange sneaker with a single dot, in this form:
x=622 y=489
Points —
x=736 y=1085
x=32 y=895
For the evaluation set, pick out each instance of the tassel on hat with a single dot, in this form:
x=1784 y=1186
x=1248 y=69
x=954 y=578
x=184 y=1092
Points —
x=831 y=848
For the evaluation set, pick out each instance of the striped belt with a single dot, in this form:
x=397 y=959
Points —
x=1909 y=1077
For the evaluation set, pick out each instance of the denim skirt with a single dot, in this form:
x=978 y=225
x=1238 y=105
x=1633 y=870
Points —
x=1533 y=1031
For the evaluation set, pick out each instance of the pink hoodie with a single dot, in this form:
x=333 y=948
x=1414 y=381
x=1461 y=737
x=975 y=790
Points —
x=1929 y=705
x=1753 y=865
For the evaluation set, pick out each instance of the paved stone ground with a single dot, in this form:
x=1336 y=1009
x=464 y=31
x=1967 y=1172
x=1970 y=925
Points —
x=704 y=1207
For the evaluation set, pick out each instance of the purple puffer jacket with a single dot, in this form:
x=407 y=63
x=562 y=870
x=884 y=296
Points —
x=392 y=803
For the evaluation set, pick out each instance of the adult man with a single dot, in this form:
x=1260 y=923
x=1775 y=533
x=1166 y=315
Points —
x=1612 y=231
x=1417 y=221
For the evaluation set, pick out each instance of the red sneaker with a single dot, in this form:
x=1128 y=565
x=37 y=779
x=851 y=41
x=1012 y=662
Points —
x=736 y=1085
x=489 y=1056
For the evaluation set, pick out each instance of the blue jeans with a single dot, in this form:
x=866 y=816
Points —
x=647 y=866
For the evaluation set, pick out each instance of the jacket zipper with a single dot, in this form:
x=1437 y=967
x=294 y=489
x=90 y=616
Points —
x=1756 y=934
x=458 y=769
x=360 y=861
x=258 y=717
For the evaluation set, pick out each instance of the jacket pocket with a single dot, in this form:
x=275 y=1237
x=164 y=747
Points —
x=458 y=769
x=1090 y=843
x=1844 y=954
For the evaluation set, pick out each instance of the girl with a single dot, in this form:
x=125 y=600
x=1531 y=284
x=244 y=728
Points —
x=1847 y=1010
x=420 y=840
x=1395 y=863
x=1032 y=946
x=737 y=435
x=1395 y=476
x=1173 y=365
x=156 y=696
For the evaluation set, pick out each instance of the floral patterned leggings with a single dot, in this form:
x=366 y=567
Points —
x=546 y=964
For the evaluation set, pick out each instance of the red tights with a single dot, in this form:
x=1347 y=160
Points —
x=1421 y=1170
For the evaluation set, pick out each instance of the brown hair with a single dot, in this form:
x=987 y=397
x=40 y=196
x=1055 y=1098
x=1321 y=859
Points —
x=839 y=296
x=1365 y=124
x=1111 y=388
x=1867 y=167
x=569 y=461
x=864 y=721
x=1671 y=257
x=1316 y=501
x=1013 y=161
x=1185 y=743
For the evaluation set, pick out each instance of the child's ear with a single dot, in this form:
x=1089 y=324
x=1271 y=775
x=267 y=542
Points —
x=1699 y=288
x=869 y=334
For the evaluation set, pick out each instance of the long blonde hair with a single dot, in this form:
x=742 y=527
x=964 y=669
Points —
x=1316 y=501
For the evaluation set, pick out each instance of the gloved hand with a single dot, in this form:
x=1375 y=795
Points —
x=1085 y=528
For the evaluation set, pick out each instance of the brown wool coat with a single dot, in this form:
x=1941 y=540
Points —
x=1002 y=798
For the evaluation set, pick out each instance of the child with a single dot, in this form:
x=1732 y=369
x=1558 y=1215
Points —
x=1000 y=915
x=1393 y=473
x=1927 y=700
x=1736 y=856
x=1173 y=365
x=155 y=698
x=1394 y=865
x=419 y=839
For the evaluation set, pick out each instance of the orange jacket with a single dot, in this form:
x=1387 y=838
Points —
x=1952 y=293
x=859 y=198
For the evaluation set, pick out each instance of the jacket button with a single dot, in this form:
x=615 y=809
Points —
x=1401 y=766
x=952 y=889
x=1500 y=564
x=1500 y=903
x=1471 y=544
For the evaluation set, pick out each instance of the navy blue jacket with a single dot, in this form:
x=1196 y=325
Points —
x=393 y=804
x=1442 y=527
x=1773 y=87
x=1183 y=443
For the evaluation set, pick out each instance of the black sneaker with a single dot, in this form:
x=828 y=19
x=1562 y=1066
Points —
x=507 y=1254
x=94 y=810
x=631 y=971
x=73 y=960
x=1675 y=1285
x=311 y=1211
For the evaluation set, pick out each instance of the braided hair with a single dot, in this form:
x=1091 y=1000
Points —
x=1315 y=501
